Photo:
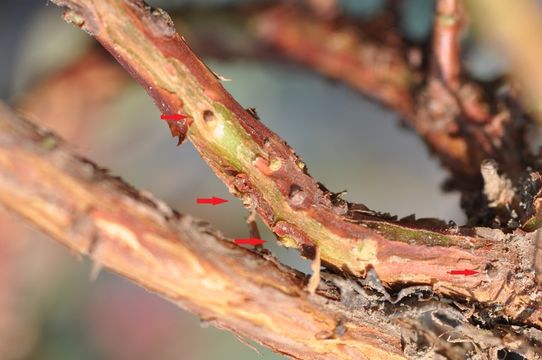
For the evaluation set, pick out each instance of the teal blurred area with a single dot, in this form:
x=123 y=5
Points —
x=348 y=142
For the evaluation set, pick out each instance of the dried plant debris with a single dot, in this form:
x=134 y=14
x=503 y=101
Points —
x=441 y=328
x=497 y=188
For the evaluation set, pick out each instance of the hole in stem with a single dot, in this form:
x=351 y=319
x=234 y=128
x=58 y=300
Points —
x=297 y=195
x=208 y=116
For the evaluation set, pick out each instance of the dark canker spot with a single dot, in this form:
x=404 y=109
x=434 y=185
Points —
x=208 y=116
x=308 y=251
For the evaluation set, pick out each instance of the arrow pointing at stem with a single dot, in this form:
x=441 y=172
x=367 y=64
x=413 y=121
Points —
x=173 y=117
x=466 y=272
x=249 y=241
x=213 y=201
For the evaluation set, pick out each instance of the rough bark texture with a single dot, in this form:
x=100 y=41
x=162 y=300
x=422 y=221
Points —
x=70 y=101
x=177 y=256
x=249 y=293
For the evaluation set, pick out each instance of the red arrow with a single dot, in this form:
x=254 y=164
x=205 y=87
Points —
x=214 y=201
x=466 y=272
x=173 y=117
x=249 y=241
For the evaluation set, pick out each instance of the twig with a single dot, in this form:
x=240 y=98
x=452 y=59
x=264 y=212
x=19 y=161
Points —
x=446 y=41
x=259 y=167
x=93 y=213
x=70 y=101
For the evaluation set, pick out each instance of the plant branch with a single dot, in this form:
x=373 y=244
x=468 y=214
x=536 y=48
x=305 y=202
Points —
x=462 y=121
x=446 y=41
x=176 y=256
x=182 y=259
x=372 y=62
x=266 y=174
x=70 y=101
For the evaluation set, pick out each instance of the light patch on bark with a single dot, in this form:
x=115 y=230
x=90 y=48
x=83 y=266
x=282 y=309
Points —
x=497 y=188
x=314 y=280
x=117 y=231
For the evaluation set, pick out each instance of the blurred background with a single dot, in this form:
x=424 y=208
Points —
x=50 y=308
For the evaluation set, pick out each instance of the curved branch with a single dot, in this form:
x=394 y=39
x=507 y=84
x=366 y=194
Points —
x=462 y=121
x=378 y=68
x=176 y=256
x=264 y=171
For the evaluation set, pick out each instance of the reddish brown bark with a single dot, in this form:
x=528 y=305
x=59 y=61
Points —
x=446 y=41
x=376 y=68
